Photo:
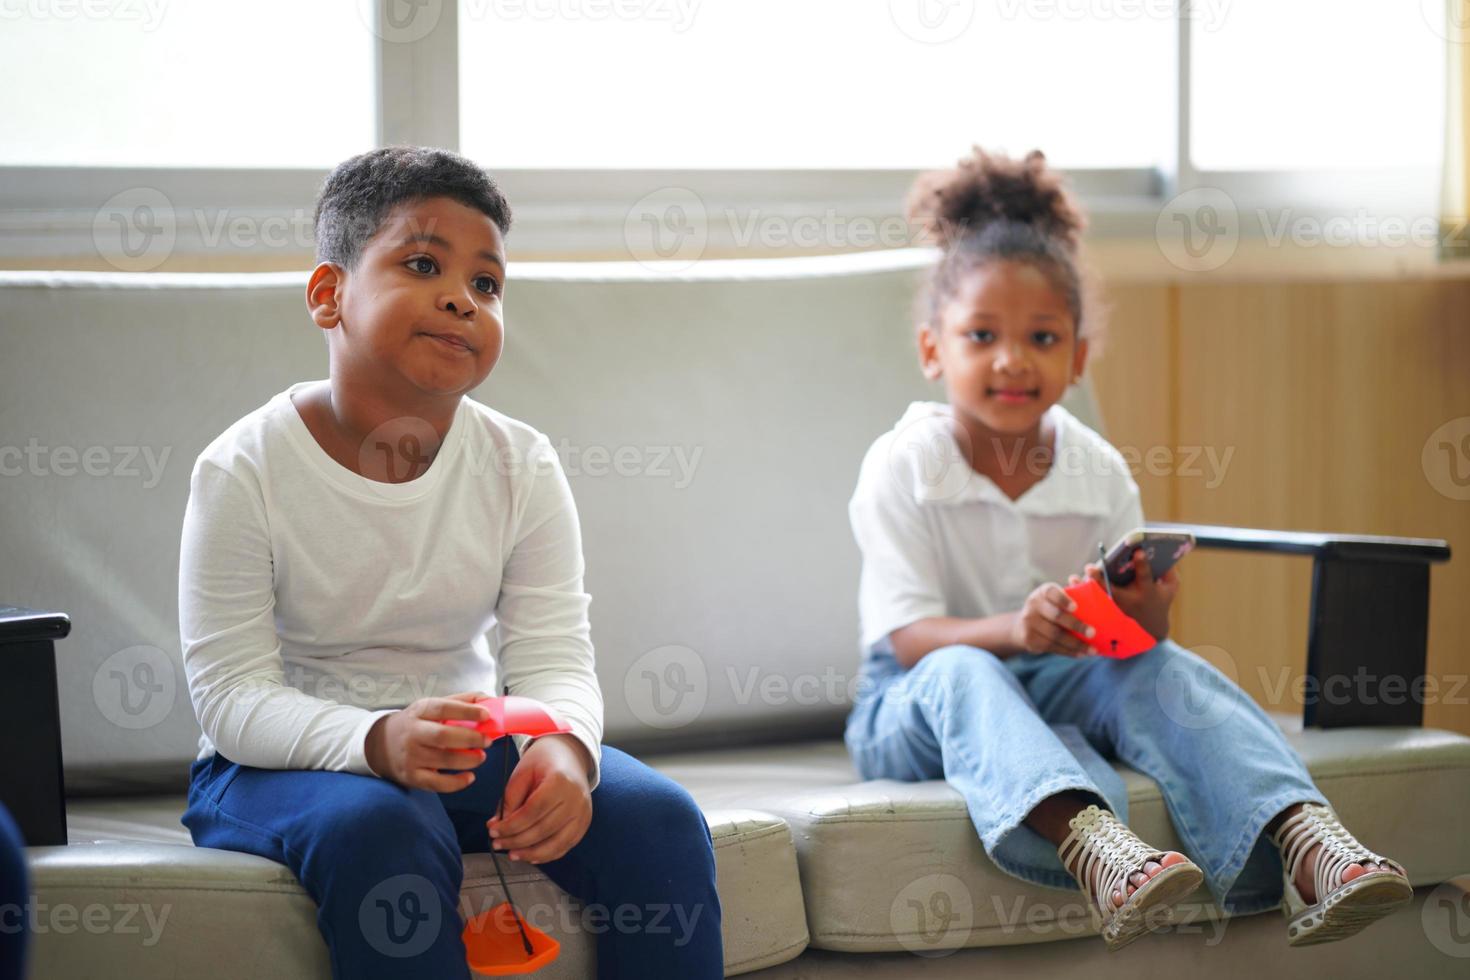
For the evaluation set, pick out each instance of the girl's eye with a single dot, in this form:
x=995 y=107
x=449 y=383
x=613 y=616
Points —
x=414 y=262
x=982 y=336
x=1045 y=337
x=490 y=285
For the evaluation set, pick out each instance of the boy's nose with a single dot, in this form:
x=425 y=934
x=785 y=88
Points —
x=459 y=307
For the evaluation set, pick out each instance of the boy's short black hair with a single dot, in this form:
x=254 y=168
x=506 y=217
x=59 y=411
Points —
x=360 y=192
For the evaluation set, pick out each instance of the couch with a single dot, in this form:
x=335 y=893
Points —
x=711 y=420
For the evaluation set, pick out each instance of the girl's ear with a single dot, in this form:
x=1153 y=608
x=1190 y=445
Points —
x=1079 y=360
x=929 y=353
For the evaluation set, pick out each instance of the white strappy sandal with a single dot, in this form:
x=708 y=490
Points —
x=1346 y=908
x=1107 y=854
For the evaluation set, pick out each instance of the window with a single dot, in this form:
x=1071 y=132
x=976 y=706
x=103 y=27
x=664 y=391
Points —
x=184 y=83
x=1307 y=84
x=873 y=84
x=217 y=120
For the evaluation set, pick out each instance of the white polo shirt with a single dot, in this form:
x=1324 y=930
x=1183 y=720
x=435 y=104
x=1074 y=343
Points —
x=939 y=539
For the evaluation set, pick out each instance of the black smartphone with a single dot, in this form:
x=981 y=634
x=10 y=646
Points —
x=1163 y=549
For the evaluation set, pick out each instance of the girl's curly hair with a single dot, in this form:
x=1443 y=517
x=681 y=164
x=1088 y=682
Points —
x=991 y=207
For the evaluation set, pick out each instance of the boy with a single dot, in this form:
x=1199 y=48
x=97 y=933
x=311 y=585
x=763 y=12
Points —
x=354 y=540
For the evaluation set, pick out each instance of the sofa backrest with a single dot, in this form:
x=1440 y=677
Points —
x=711 y=421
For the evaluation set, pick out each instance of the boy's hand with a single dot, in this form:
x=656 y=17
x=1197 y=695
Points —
x=411 y=745
x=1039 y=626
x=548 y=806
x=1146 y=599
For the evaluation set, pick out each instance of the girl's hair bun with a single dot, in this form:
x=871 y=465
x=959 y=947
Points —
x=985 y=188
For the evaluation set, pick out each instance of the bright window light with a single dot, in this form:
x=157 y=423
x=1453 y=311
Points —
x=184 y=83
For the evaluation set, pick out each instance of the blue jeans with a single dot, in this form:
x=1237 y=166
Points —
x=383 y=862
x=1008 y=733
x=15 y=899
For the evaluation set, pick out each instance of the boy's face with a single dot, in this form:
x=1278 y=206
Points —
x=421 y=312
x=1005 y=346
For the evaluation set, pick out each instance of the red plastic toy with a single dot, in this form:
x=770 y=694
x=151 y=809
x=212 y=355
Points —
x=499 y=942
x=512 y=715
x=1118 y=634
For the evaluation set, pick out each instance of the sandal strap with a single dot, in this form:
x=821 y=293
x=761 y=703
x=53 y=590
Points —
x=1317 y=824
x=1107 y=851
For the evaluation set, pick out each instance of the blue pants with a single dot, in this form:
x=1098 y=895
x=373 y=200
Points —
x=1008 y=733
x=15 y=899
x=383 y=862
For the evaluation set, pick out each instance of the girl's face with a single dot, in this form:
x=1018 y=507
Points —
x=1005 y=345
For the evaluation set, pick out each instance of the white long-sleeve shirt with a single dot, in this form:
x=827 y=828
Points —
x=313 y=600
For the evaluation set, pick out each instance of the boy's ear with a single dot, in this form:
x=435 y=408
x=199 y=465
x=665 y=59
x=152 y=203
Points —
x=929 y=353
x=322 y=295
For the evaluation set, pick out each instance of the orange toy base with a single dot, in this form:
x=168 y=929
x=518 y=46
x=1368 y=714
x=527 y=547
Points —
x=493 y=944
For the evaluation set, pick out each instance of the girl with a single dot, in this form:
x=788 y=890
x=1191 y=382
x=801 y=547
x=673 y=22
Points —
x=968 y=516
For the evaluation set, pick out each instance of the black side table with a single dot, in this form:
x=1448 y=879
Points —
x=30 y=723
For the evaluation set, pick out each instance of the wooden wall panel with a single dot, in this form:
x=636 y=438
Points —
x=1132 y=376
x=1323 y=395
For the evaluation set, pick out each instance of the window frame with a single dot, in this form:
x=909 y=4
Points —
x=50 y=211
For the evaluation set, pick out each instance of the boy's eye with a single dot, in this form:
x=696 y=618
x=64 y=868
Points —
x=414 y=264
x=487 y=284
x=1045 y=337
x=981 y=336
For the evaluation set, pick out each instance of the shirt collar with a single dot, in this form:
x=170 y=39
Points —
x=940 y=476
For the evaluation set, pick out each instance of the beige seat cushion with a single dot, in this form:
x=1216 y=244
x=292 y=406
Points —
x=195 y=911
x=869 y=851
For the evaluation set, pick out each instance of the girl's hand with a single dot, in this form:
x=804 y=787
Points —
x=1146 y=599
x=1041 y=625
x=411 y=745
x=548 y=806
